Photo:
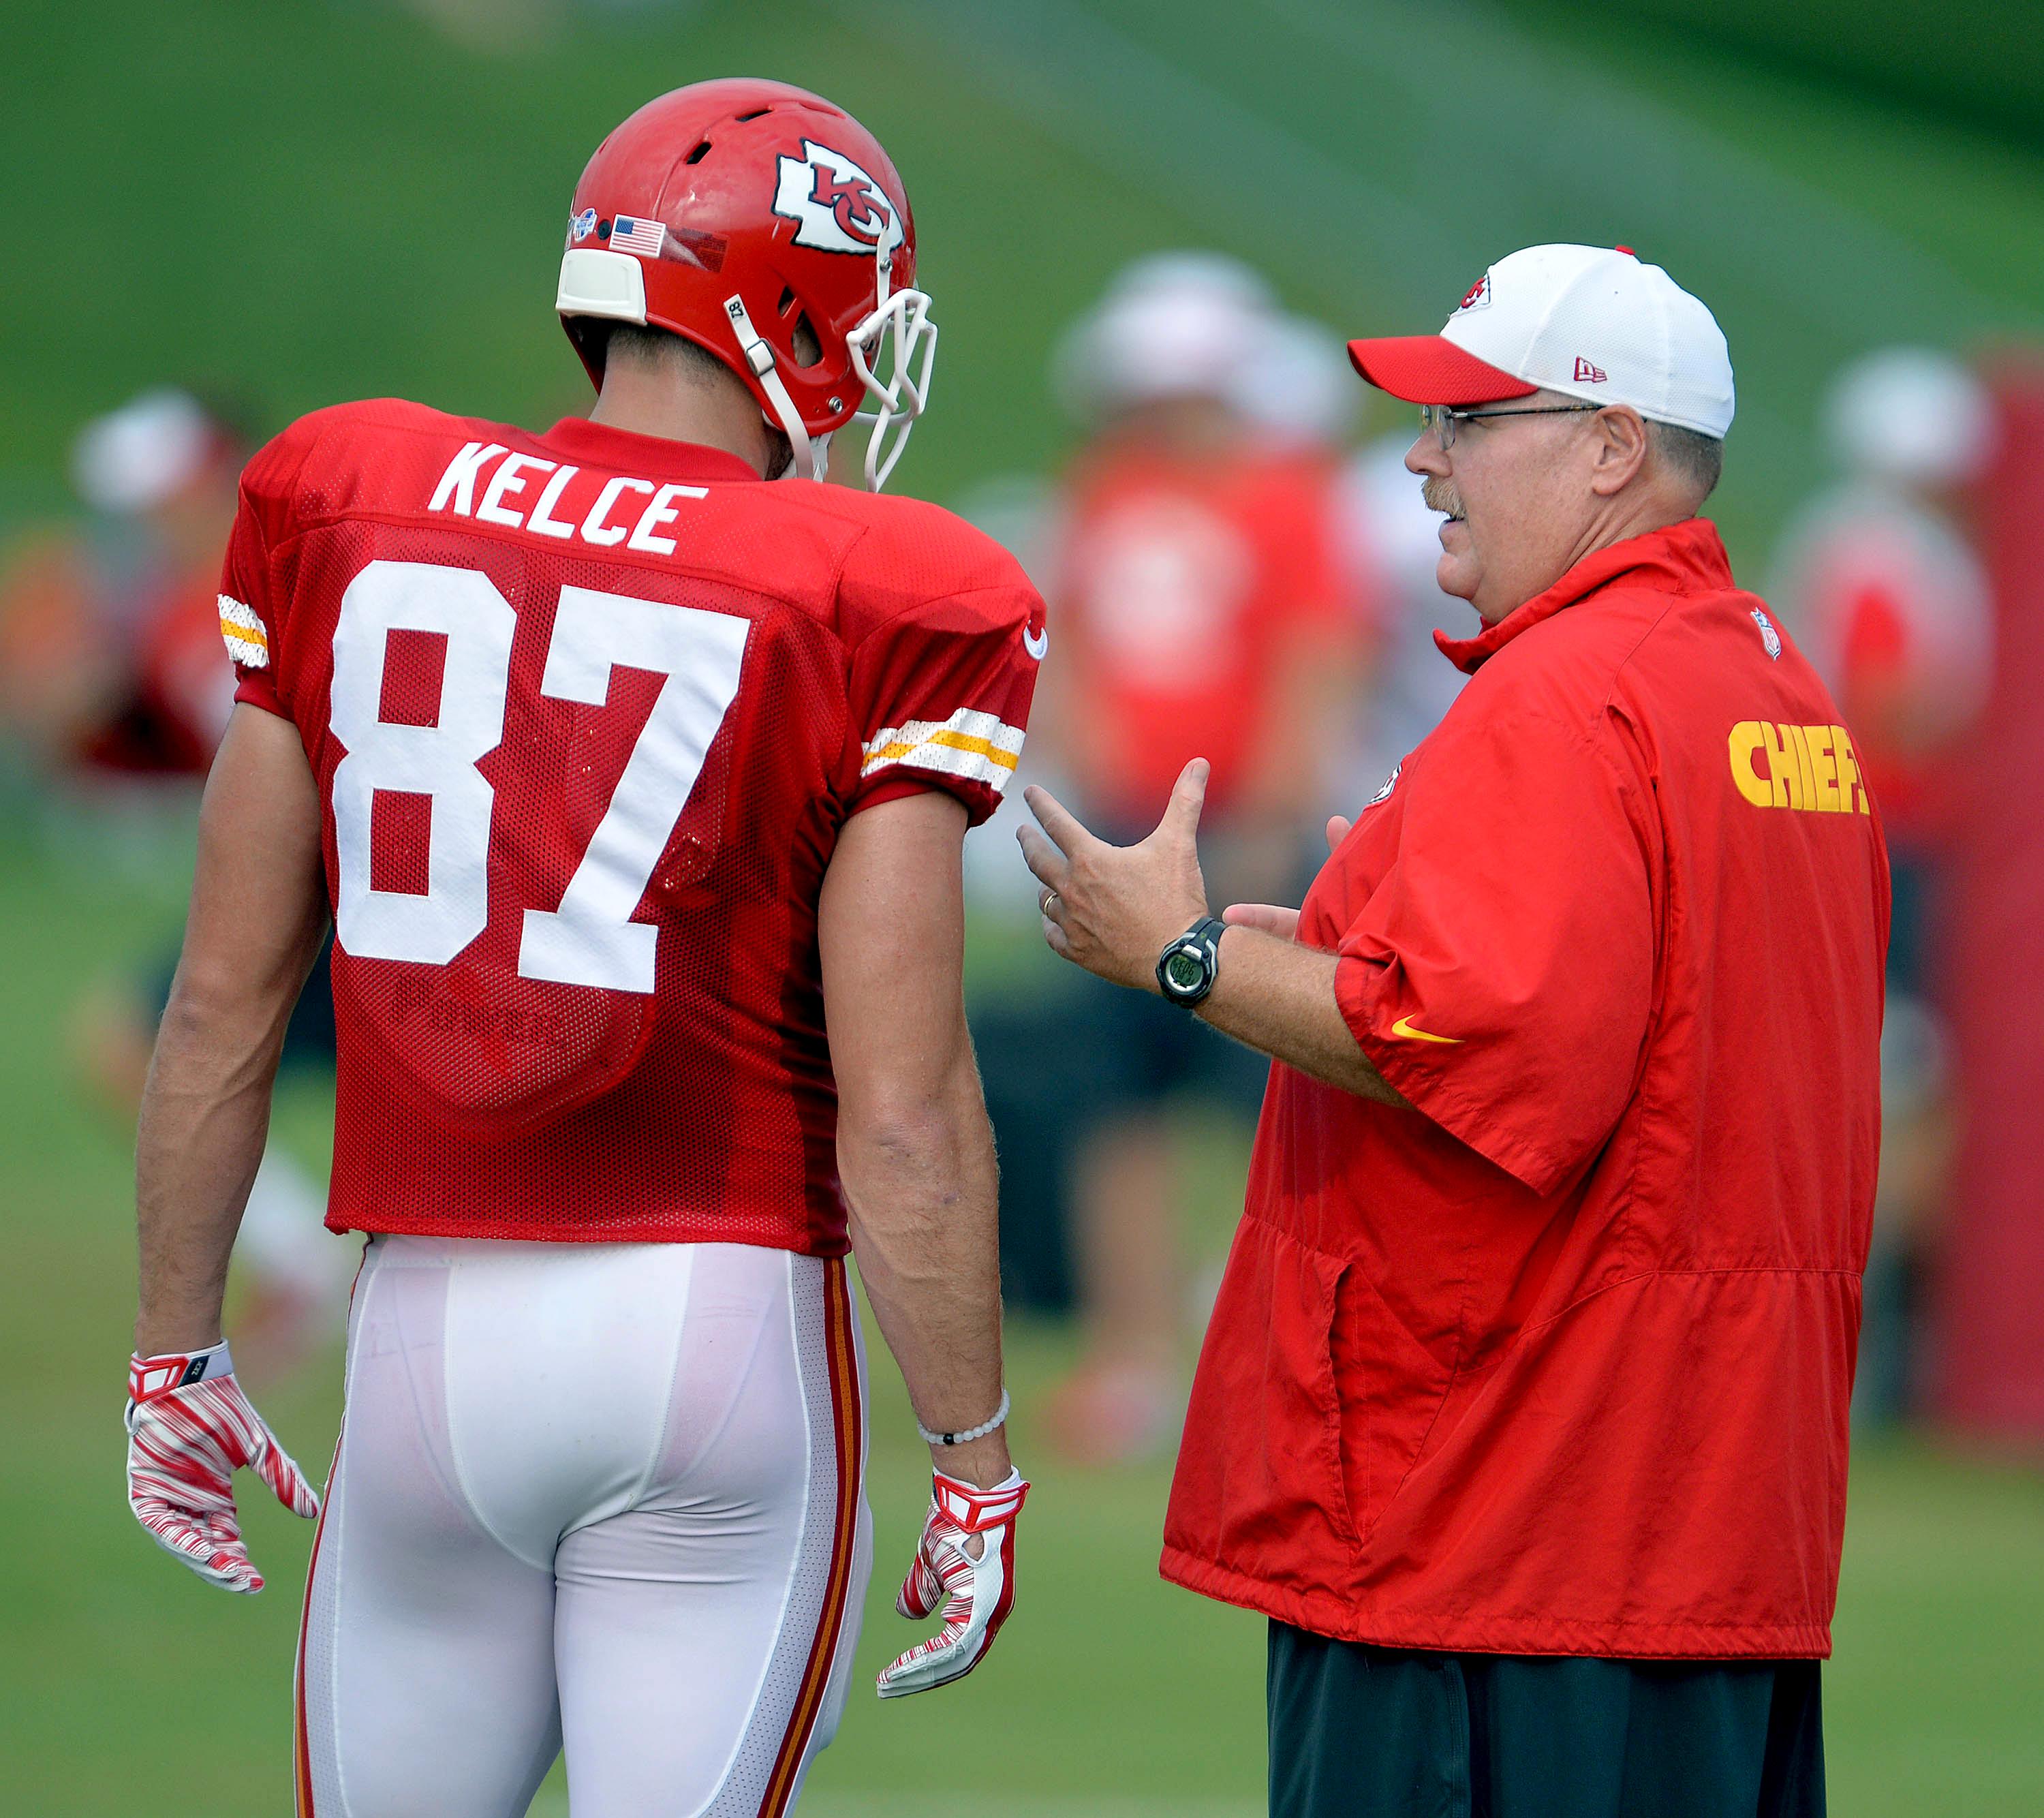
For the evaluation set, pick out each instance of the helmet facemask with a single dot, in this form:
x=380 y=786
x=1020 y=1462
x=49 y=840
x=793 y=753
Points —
x=899 y=337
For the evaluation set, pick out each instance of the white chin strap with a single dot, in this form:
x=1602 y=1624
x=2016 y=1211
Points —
x=812 y=452
x=897 y=401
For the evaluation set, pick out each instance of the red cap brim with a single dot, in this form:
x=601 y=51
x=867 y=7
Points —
x=1431 y=369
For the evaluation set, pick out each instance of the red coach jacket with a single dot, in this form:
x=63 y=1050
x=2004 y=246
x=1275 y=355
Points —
x=1558 y=1360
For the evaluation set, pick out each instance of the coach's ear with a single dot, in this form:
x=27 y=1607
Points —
x=1620 y=451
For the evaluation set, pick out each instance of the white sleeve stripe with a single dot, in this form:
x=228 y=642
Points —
x=968 y=730
x=947 y=760
x=242 y=630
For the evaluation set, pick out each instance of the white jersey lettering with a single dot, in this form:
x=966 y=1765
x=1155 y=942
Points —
x=658 y=512
x=543 y=520
x=508 y=479
x=458 y=483
x=502 y=488
x=594 y=529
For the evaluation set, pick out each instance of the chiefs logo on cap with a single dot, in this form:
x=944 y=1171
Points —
x=1479 y=295
x=837 y=206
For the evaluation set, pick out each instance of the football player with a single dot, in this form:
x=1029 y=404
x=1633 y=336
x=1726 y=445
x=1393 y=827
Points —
x=636 y=787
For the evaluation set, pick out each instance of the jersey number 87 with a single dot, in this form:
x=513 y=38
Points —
x=590 y=938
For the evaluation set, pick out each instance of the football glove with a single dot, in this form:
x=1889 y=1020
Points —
x=190 y=1429
x=965 y=1563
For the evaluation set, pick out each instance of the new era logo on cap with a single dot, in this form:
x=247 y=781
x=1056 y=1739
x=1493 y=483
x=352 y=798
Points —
x=1521 y=327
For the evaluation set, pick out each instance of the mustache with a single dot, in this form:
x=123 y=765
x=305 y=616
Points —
x=1440 y=495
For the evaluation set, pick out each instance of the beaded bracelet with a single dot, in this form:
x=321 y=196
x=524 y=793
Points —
x=979 y=1432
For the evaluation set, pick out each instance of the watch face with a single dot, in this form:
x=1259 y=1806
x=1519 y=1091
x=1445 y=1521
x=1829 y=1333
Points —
x=1185 y=971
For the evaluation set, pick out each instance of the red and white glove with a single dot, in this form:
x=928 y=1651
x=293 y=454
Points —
x=190 y=1429
x=977 y=1592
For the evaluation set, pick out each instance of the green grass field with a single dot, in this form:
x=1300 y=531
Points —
x=127 y=1685
x=310 y=203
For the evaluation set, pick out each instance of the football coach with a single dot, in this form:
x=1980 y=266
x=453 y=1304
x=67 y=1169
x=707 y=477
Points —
x=1522 y=1411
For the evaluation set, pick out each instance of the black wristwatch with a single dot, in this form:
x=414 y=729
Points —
x=1187 y=968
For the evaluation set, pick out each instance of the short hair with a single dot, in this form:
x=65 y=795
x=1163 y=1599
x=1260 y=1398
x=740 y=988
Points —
x=599 y=339
x=1698 y=458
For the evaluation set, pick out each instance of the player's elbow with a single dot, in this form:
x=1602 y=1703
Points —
x=897 y=1131
x=925 y=1137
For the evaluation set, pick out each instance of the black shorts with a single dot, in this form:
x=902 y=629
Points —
x=1359 y=1731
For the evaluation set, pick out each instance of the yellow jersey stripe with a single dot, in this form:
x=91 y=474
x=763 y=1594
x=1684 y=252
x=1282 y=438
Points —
x=950 y=740
x=247 y=639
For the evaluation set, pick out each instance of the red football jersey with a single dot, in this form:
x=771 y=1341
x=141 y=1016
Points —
x=587 y=711
x=1183 y=586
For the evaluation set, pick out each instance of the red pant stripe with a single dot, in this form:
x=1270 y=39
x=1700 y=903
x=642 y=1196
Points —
x=823 y=1652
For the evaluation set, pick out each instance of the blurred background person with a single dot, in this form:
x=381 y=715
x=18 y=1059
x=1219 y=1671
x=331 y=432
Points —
x=110 y=663
x=113 y=690
x=1881 y=583
x=1202 y=604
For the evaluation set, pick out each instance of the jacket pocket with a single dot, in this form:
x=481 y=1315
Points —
x=1260 y=1488
x=1389 y=1389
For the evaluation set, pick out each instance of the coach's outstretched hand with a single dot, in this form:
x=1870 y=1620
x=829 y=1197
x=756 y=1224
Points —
x=1113 y=909
x=965 y=1562
x=190 y=1429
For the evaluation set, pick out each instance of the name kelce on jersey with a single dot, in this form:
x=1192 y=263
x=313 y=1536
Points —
x=603 y=521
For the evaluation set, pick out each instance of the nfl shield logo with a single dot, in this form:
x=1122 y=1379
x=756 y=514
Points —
x=1769 y=635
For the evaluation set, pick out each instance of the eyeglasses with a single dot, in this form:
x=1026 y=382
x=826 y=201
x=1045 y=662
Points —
x=1442 y=420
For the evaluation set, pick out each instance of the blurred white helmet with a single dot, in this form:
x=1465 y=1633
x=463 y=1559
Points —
x=1299 y=386
x=134 y=458
x=1175 y=325
x=1912 y=416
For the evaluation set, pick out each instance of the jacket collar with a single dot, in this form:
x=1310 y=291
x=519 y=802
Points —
x=602 y=445
x=1688 y=557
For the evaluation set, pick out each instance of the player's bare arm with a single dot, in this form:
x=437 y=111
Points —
x=258 y=913
x=916 y=1155
x=1113 y=910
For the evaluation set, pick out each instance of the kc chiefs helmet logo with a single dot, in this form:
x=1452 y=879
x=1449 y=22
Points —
x=837 y=206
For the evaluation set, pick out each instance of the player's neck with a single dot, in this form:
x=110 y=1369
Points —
x=680 y=409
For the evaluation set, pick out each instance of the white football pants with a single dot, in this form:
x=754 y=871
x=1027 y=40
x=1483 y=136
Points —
x=608 y=1497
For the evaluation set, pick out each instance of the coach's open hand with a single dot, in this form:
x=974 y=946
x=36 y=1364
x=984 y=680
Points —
x=1113 y=909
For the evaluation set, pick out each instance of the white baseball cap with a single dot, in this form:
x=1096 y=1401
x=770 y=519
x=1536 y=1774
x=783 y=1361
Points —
x=1594 y=322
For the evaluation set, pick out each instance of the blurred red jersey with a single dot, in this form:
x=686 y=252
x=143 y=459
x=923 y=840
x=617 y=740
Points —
x=587 y=711
x=1183 y=586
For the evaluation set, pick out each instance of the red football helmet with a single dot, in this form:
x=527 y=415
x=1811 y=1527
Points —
x=749 y=216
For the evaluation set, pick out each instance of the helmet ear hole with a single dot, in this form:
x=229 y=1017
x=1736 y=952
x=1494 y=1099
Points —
x=698 y=156
x=803 y=338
